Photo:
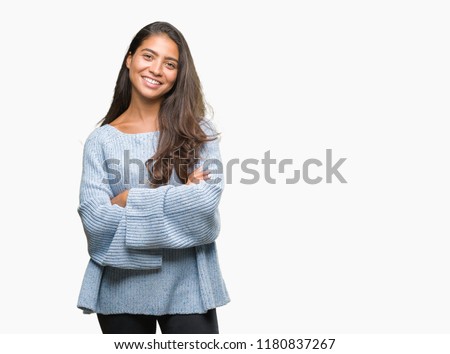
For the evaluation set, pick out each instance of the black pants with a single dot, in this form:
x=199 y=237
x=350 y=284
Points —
x=169 y=324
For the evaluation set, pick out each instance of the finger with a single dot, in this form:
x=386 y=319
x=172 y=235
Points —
x=201 y=174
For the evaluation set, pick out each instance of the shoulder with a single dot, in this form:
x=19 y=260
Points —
x=98 y=142
x=100 y=136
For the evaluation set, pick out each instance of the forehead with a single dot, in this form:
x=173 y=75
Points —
x=161 y=44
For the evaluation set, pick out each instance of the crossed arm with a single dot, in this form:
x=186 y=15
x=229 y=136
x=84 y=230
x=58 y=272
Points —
x=127 y=229
x=195 y=177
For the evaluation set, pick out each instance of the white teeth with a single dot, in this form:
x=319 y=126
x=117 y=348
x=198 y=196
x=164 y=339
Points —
x=154 y=82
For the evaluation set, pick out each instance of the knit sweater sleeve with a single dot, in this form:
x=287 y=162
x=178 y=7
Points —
x=177 y=216
x=104 y=223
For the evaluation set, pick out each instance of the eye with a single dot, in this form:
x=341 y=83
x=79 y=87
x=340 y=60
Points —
x=171 y=65
x=148 y=56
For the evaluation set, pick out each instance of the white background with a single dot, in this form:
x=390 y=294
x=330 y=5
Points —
x=368 y=79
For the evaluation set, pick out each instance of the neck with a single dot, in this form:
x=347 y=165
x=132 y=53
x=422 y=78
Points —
x=144 y=113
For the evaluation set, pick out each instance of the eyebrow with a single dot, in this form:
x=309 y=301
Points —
x=155 y=53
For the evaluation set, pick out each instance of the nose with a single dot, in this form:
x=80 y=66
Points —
x=155 y=68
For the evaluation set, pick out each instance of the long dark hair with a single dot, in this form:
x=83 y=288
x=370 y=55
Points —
x=182 y=110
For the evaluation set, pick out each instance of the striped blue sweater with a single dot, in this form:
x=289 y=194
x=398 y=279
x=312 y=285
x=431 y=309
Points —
x=157 y=255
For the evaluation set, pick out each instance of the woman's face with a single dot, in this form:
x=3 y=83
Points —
x=153 y=67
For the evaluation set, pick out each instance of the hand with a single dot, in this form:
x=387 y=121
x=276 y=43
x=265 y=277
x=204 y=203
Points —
x=120 y=199
x=197 y=175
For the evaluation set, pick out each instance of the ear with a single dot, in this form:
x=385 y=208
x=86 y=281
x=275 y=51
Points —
x=128 y=61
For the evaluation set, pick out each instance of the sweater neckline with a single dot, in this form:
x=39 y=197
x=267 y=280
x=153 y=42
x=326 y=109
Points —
x=117 y=131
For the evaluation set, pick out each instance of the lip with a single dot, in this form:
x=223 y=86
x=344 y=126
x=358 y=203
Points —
x=149 y=84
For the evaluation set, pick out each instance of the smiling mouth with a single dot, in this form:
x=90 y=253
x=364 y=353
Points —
x=151 y=81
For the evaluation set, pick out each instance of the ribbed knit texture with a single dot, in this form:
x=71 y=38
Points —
x=157 y=255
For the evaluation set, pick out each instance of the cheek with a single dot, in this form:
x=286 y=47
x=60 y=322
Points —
x=137 y=66
x=172 y=77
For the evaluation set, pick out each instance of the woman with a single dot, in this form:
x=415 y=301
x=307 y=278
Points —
x=150 y=189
